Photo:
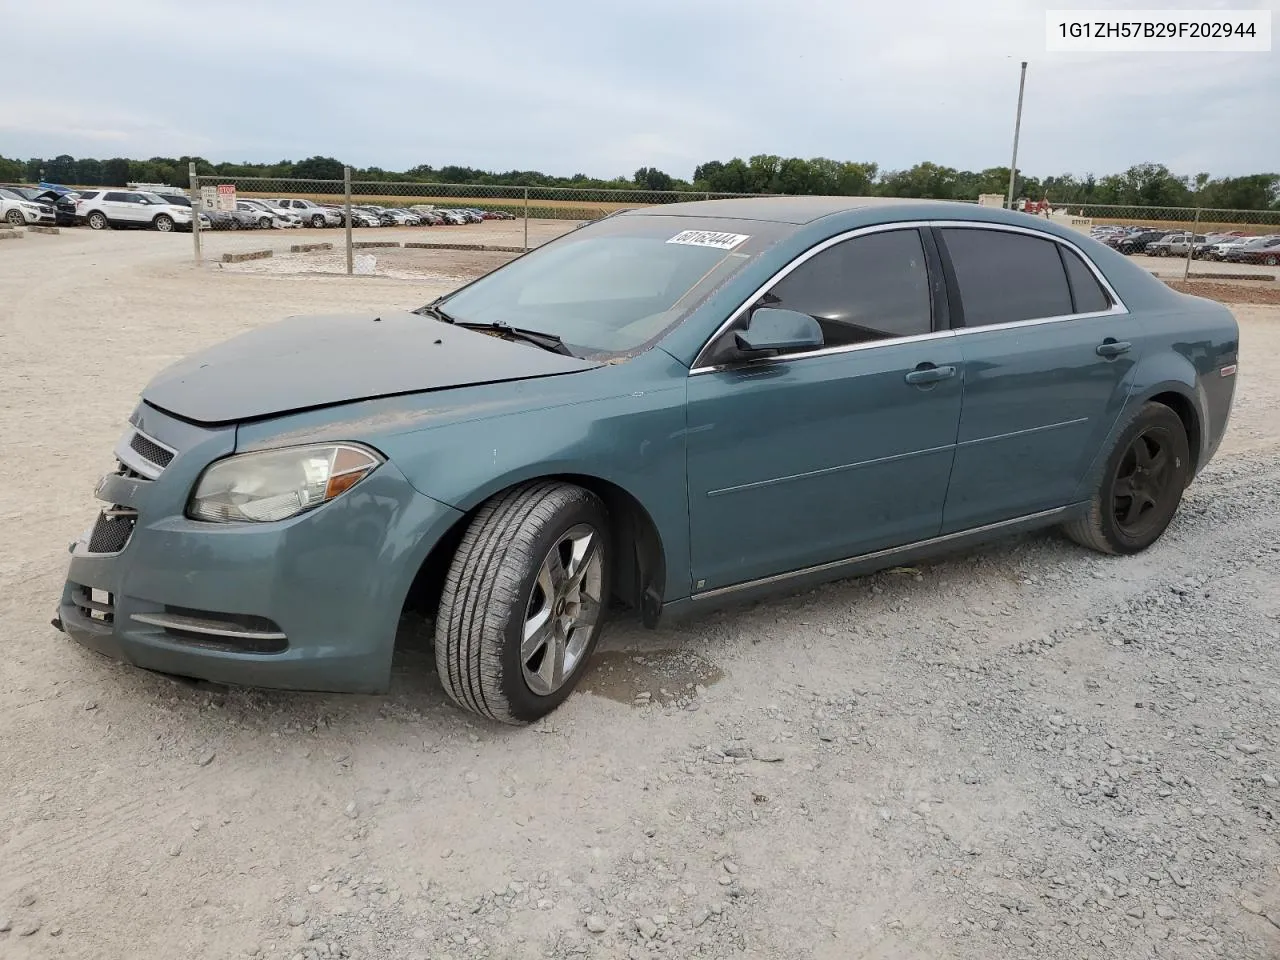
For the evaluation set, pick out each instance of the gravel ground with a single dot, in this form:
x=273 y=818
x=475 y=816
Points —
x=1026 y=751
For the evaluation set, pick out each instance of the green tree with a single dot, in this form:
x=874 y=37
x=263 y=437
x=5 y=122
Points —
x=11 y=169
x=61 y=169
x=1255 y=192
x=318 y=168
x=115 y=172
x=651 y=178
x=88 y=172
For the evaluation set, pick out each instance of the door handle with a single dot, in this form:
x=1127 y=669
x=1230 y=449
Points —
x=928 y=373
x=1113 y=348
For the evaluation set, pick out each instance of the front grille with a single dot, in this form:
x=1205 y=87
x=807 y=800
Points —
x=150 y=451
x=112 y=530
x=94 y=604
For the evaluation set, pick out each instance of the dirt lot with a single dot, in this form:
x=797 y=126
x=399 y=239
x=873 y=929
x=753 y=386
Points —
x=1027 y=751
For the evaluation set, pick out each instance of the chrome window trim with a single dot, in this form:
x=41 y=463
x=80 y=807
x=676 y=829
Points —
x=1117 y=308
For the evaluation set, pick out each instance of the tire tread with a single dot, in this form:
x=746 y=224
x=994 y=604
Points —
x=482 y=590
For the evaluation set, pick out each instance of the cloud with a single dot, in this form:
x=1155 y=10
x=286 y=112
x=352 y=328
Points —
x=575 y=86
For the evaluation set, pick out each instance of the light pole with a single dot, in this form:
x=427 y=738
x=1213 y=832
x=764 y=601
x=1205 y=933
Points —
x=1017 y=128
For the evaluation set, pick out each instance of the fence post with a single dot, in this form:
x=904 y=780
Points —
x=708 y=196
x=346 y=197
x=526 y=219
x=196 y=206
x=1191 y=245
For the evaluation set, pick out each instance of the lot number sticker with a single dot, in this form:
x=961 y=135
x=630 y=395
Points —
x=709 y=238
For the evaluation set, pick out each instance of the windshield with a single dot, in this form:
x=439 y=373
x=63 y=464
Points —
x=618 y=284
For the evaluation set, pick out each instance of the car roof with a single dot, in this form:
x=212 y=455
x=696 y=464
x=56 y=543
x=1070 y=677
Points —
x=781 y=209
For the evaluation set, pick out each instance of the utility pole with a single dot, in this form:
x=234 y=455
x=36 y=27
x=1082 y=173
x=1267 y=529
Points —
x=1017 y=128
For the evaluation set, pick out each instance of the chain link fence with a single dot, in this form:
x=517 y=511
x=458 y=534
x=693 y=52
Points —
x=461 y=216
x=1230 y=244
x=369 y=217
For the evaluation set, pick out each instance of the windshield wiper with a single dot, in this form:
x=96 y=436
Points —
x=548 y=341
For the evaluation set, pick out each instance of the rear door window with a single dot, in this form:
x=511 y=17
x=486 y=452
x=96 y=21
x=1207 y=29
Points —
x=1006 y=277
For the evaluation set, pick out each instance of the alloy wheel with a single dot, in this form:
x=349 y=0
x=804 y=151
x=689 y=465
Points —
x=564 y=607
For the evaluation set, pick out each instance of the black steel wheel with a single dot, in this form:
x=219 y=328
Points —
x=1140 y=485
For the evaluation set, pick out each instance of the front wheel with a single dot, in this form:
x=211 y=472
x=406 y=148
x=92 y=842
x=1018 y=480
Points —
x=1271 y=260
x=1140 y=486
x=164 y=223
x=524 y=600
x=264 y=223
x=16 y=218
x=317 y=221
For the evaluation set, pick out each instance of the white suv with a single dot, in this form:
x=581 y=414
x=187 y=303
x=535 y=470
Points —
x=311 y=214
x=130 y=208
x=16 y=210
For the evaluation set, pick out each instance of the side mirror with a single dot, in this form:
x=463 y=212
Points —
x=772 y=329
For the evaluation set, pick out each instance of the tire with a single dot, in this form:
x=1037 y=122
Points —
x=16 y=218
x=317 y=221
x=164 y=223
x=98 y=221
x=264 y=223
x=1110 y=526
x=233 y=224
x=1162 y=252
x=502 y=585
x=1271 y=260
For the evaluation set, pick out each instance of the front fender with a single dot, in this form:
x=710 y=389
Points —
x=635 y=442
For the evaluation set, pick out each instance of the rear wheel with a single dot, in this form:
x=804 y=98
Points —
x=523 y=603
x=1140 y=485
x=98 y=221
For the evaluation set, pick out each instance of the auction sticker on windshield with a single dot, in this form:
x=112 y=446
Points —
x=709 y=238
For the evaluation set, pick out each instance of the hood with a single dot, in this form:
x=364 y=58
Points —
x=307 y=362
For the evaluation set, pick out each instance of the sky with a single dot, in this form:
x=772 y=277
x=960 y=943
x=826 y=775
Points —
x=588 y=86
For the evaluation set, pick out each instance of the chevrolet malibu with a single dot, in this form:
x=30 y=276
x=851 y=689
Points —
x=670 y=409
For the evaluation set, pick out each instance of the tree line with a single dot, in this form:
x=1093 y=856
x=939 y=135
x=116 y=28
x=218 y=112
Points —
x=1145 y=184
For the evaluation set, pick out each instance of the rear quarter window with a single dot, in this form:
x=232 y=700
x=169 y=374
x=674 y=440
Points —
x=1086 y=292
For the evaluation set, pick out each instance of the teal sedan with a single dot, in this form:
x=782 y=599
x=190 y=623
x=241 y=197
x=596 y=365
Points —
x=669 y=409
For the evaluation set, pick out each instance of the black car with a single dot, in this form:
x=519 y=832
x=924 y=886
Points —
x=1138 y=242
x=64 y=204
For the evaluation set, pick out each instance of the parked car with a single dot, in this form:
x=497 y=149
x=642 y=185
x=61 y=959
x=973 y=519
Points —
x=311 y=214
x=256 y=216
x=17 y=210
x=64 y=204
x=281 y=218
x=402 y=218
x=1173 y=244
x=102 y=208
x=670 y=409
x=361 y=217
x=1261 y=250
x=453 y=217
x=501 y=215
x=1137 y=243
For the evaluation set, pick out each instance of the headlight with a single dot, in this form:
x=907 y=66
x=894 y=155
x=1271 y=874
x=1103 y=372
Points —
x=277 y=484
x=30 y=206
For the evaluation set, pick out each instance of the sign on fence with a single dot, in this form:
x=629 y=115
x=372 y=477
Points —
x=222 y=197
